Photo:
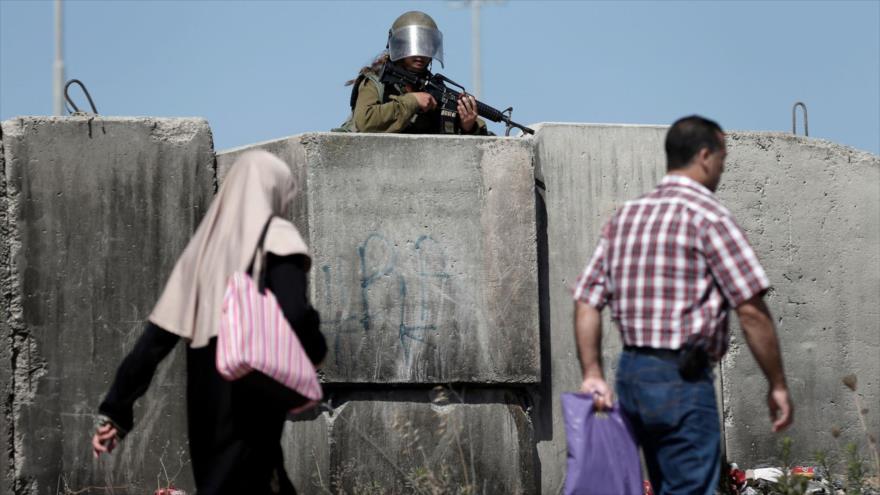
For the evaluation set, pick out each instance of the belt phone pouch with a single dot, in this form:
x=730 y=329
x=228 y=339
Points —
x=692 y=361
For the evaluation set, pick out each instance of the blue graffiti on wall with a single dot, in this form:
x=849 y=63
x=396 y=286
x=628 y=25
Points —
x=431 y=268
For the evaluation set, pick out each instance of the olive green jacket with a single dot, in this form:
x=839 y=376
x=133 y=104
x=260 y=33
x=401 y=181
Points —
x=383 y=107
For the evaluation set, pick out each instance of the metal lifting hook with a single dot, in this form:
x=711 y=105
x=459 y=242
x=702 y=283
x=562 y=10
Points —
x=76 y=111
x=508 y=112
x=794 y=118
x=82 y=86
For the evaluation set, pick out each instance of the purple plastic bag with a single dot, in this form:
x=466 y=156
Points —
x=603 y=458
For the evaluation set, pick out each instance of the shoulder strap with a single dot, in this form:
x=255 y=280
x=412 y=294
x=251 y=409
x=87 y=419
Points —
x=256 y=269
x=380 y=87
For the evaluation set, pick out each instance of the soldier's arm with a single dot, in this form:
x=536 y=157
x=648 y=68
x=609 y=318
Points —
x=371 y=115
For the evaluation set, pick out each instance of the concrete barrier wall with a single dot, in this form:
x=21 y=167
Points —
x=435 y=263
x=425 y=272
x=424 y=255
x=5 y=329
x=812 y=211
x=96 y=212
x=811 y=208
x=587 y=172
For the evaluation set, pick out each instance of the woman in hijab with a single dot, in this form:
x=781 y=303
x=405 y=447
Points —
x=234 y=433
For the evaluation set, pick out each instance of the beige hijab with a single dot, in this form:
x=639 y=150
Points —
x=258 y=186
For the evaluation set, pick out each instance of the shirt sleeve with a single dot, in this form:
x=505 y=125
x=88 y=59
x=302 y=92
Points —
x=371 y=115
x=592 y=285
x=733 y=262
x=134 y=376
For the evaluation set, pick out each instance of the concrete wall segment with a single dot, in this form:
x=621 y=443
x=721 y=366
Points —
x=439 y=440
x=811 y=209
x=6 y=390
x=588 y=171
x=437 y=254
x=102 y=208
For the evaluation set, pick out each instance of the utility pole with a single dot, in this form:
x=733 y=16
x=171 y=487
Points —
x=476 y=66
x=58 y=66
x=476 y=63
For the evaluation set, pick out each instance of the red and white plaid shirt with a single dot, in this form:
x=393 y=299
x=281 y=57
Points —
x=672 y=263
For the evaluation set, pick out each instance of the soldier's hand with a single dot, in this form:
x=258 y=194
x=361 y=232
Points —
x=467 y=112
x=426 y=101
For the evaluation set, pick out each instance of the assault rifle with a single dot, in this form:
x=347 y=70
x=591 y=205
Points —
x=447 y=98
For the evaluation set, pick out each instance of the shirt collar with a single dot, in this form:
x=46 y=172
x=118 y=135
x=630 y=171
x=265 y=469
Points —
x=672 y=180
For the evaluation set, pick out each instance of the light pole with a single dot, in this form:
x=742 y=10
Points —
x=58 y=66
x=476 y=67
x=476 y=63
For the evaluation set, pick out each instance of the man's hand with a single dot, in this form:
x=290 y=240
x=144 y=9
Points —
x=467 y=112
x=105 y=439
x=781 y=409
x=603 y=398
x=426 y=101
x=588 y=336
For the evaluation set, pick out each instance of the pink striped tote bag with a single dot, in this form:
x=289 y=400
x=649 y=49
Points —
x=256 y=344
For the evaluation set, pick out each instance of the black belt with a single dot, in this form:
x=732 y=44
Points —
x=671 y=354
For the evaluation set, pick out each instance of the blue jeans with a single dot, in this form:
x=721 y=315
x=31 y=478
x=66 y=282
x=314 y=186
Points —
x=675 y=421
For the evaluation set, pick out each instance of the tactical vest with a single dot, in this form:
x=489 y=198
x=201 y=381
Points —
x=348 y=125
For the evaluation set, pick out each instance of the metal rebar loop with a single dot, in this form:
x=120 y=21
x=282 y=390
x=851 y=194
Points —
x=70 y=101
x=794 y=118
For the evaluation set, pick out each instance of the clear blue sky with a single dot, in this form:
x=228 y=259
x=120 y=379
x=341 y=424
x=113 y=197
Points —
x=263 y=70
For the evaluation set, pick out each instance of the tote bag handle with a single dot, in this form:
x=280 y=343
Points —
x=256 y=270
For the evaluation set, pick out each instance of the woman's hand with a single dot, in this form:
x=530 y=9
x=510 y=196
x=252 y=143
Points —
x=105 y=439
x=467 y=112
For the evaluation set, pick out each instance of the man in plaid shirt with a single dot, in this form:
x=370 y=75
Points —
x=671 y=264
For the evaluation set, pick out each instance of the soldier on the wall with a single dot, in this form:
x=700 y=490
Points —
x=414 y=42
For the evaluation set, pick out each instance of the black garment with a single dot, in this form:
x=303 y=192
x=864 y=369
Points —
x=234 y=433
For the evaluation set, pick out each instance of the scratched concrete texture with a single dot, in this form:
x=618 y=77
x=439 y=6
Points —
x=96 y=212
x=811 y=210
x=416 y=441
x=425 y=265
x=5 y=330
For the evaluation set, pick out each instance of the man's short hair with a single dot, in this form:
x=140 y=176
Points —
x=687 y=136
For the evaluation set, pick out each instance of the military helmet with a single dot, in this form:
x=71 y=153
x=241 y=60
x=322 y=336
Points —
x=415 y=34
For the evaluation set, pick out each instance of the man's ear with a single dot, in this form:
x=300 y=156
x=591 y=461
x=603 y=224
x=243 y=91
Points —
x=702 y=157
x=703 y=154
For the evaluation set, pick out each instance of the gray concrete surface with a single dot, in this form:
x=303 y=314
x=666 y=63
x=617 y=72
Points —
x=588 y=171
x=425 y=262
x=98 y=210
x=439 y=440
x=435 y=262
x=812 y=211
x=5 y=330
